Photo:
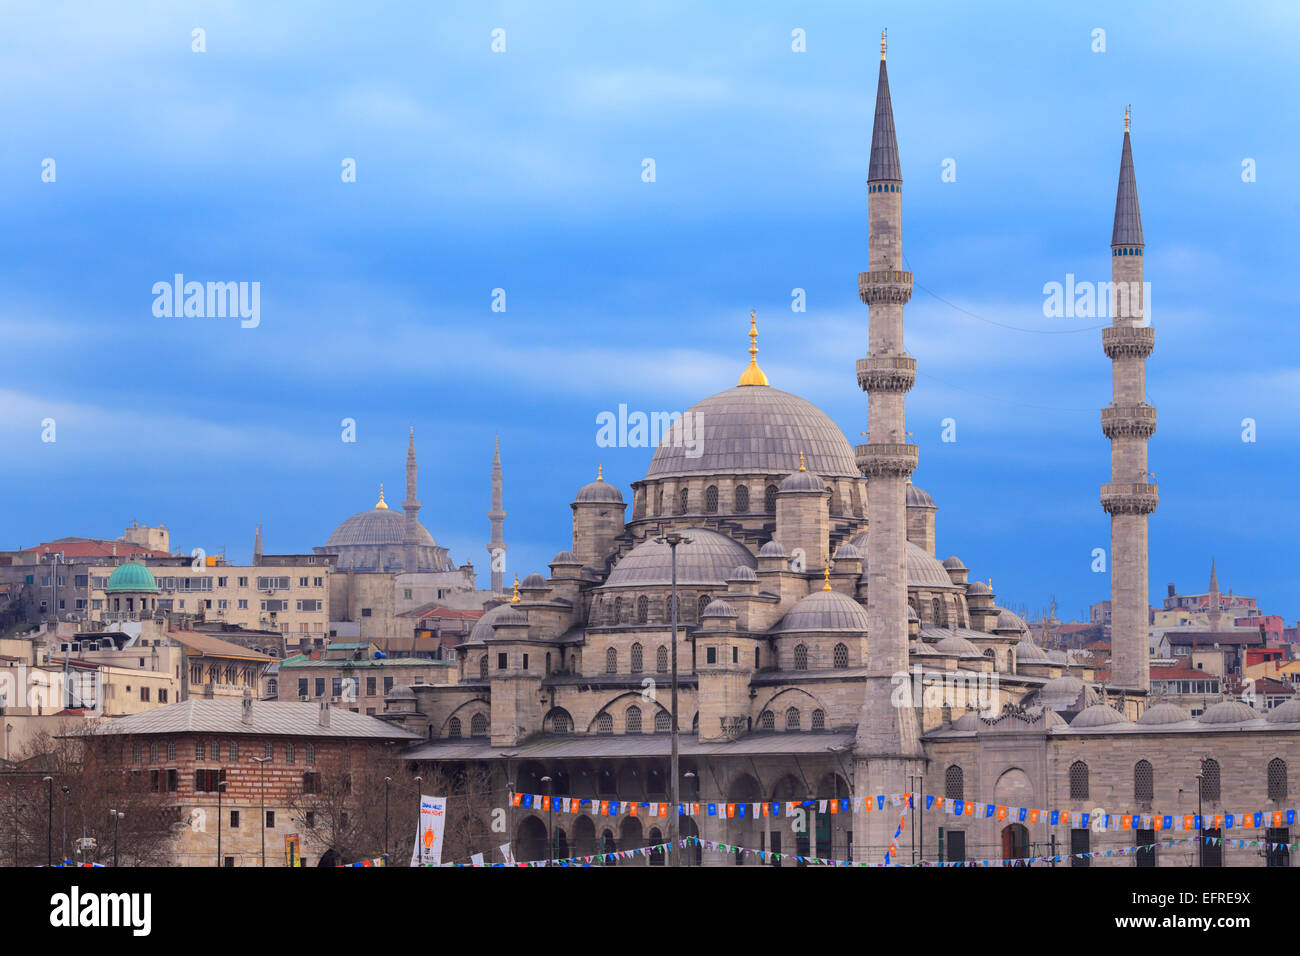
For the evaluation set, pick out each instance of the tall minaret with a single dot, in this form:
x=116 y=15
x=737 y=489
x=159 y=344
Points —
x=887 y=750
x=497 y=546
x=1215 y=616
x=410 y=508
x=257 y=545
x=1128 y=423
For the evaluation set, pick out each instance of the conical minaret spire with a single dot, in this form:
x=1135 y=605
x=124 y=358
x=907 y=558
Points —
x=1215 y=615
x=497 y=546
x=257 y=545
x=411 y=509
x=1128 y=422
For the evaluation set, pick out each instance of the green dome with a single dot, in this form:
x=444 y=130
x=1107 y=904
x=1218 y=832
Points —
x=131 y=577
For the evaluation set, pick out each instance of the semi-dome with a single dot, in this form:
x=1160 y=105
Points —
x=1062 y=693
x=1099 y=715
x=131 y=576
x=753 y=429
x=1229 y=712
x=1027 y=652
x=847 y=552
x=802 y=481
x=533 y=580
x=771 y=549
x=482 y=629
x=825 y=611
x=918 y=498
x=1010 y=621
x=921 y=649
x=566 y=557
x=978 y=587
x=708 y=559
x=742 y=573
x=377 y=526
x=1287 y=712
x=957 y=646
x=1164 y=713
x=967 y=721
x=953 y=563
x=719 y=608
x=923 y=569
x=400 y=692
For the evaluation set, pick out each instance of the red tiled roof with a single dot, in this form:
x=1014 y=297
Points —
x=437 y=610
x=1267 y=685
x=1180 y=671
x=95 y=548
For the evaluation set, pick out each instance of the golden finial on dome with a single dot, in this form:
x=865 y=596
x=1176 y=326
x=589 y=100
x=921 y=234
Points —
x=600 y=471
x=1127 y=114
x=514 y=599
x=753 y=375
x=801 y=467
x=883 y=34
x=826 y=586
x=381 y=503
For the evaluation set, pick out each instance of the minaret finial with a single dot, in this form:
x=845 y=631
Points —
x=381 y=503
x=1127 y=114
x=600 y=471
x=801 y=466
x=753 y=375
x=884 y=36
x=826 y=586
x=514 y=599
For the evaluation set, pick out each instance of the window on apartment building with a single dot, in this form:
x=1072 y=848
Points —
x=207 y=781
x=302 y=687
x=173 y=780
x=370 y=687
x=137 y=751
x=288 y=753
x=311 y=753
x=96 y=604
x=302 y=582
x=234 y=751
x=162 y=695
x=153 y=751
x=365 y=612
x=266 y=750
x=222 y=604
x=171 y=751
x=311 y=782
x=270 y=819
x=200 y=750
x=388 y=684
x=242 y=605
x=317 y=582
x=155 y=781
x=336 y=686
x=320 y=687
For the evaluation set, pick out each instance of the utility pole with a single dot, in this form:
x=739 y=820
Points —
x=262 y=823
x=673 y=539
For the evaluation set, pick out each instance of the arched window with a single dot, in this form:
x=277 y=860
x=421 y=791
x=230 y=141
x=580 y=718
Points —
x=661 y=660
x=618 y=610
x=683 y=499
x=478 y=725
x=482 y=667
x=792 y=718
x=819 y=720
x=642 y=609
x=695 y=723
x=453 y=727
x=604 y=724
x=668 y=608
x=835 y=499
x=757 y=658
x=856 y=498
x=636 y=658
x=769 y=499
x=611 y=661
x=742 y=499
x=659 y=500
x=942 y=611
x=841 y=656
x=954 y=783
x=560 y=721
x=1277 y=779
x=1078 y=780
x=634 y=720
x=934 y=612
x=1144 y=784
x=663 y=722
x=801 y=657
x=711 y=499
x=700 y=605
x=988 y=652
x=1210 y=780
x=767 y=720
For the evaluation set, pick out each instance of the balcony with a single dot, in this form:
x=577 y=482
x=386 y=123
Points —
x=1128 y=421
x=886 y=286
x=1126 y=499
x=1127 y=340
x=884 y=460
x=887 y=373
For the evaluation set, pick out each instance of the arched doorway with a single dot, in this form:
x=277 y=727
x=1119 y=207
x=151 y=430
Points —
x=788 y=789
x=1015 y=843
x=692 y=855
x=630 y=838
x=530 y=840
x=834 y=830
x=743 y=830
x=657 y=854
x=584 y=836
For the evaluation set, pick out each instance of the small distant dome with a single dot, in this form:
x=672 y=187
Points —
x=921 y=649
x=131 y=576
x=1027 y=652
x=772 y=549
x=847 y=552
x=742 y=573
x=400 y=692
x=1010 y=621
x=917 y=498
x=1052 y=719
x=719 y=608
x=510 y=616
x=978 y=587
x=967 y=721
x=923 y=569
x=825 y=611
x=566 y=557
x=599 y=490
x=1287 y=712
x=1099 y=715
x=1229 y=712
x=1062 y=693
x=957 y=646
x=1057 y=657
x=482 y=629
x=802 y=481
x=953 y=563
x=707 y=559
x=1164 y=713
x=533 y=580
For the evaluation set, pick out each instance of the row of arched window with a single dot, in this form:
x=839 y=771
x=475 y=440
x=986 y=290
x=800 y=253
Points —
x=683 y=504
x=839 y=657
x=632 y=722
x=637 y=662
x=478 y=726
x=793 y=720
x=638 y=610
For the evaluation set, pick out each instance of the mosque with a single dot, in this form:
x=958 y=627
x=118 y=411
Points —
x=825 y=652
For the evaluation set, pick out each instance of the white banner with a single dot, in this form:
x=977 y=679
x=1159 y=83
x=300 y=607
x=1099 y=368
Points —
x=505 y=852
x=477 y=859
x=428 y=838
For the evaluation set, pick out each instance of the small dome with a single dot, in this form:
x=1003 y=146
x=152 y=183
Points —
x=967 y=721
x=742 y=573
x=1052 y=719
x=953 y=563
x=1010 y=621
x=565 y=557
x=1099 y=715
x=719 y=608
x=802 y=481
x=957 y=646
x=1027 y=652
x=400 y=692
x=772 y=549
x=509 y=617
x=482 y=629
x=599 y=490
x=1057 y=657
x=1163 y=713
x=707 y=559
x=1229 y=712
x=847 y=552
x=131 y=576
x=379 y=525
x=1287 y=712
x=917 y=498
x=923 y=569
x=533 y=580
x=978 y=587
x=921 y=649
x=825 y=611
x=1062 y=693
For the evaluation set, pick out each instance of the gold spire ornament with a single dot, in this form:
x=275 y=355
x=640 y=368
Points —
x=883 y=34
x=801 y=467
x=826 y=586
x=1127 y=113
x=381 y=504
x=753 y=375
x=600 y=471
x=514 y=599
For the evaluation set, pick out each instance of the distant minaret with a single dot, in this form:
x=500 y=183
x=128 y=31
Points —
x=887 y=750
x=1215 y=615
x=257 y=545
x=411 y=508
x=1128 y=422
x=497 y=546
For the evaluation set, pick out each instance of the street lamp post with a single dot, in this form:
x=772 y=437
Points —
x=673 y=539
x=419 y=818
x=1200 y=823
x=221 y=788
x=115 y=816
x=262 y=823
x=49 y=830
x=387 y=784
x=63 y=849
x=550 y=814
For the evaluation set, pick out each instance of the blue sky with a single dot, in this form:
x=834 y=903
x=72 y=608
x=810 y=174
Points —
x=522 y=170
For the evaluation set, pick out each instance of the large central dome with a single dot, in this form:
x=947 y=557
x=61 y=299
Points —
x=754 y=429
x=377 y=526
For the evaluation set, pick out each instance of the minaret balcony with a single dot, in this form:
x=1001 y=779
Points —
x=885 y=286
x=1128 y=340
x=886 y=460
x=1128 y=421
x=887 y=373
x=1125 y=499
